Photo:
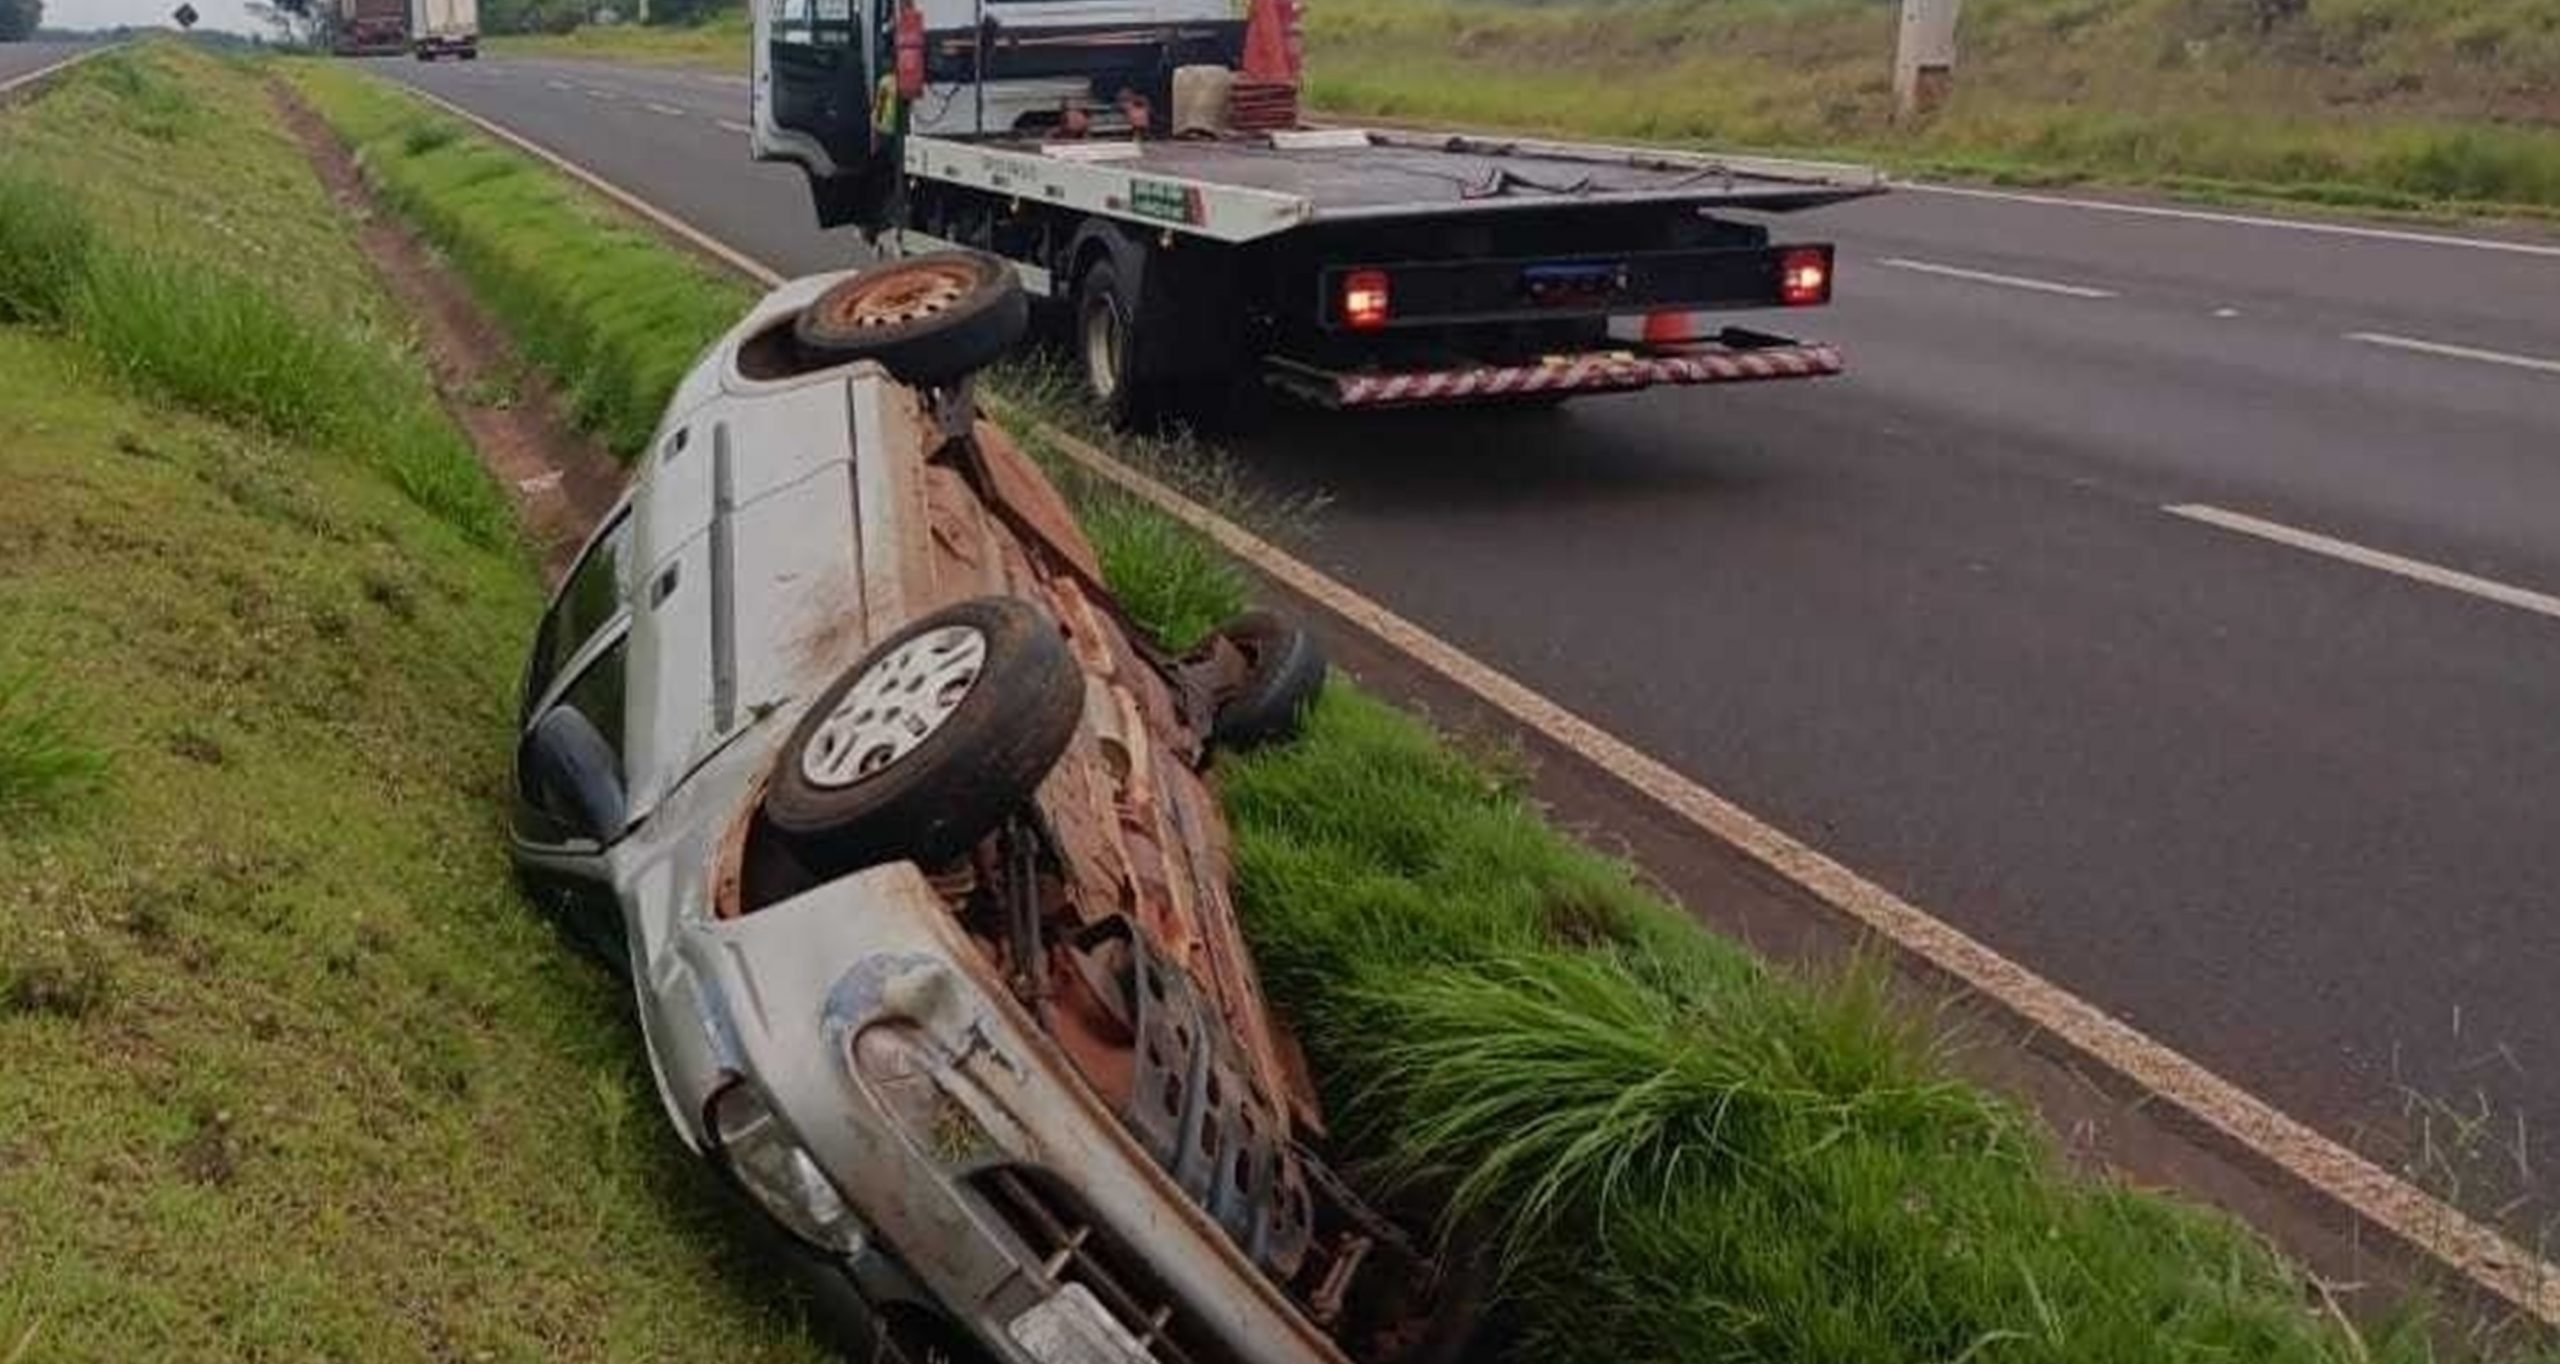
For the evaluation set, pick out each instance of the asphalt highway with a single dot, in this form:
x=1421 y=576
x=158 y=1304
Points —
x=2170 y=599
x=19 y=59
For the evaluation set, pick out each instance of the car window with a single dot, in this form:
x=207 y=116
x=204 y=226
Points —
x=791 y=21
x=597 y=692
x=586 y=605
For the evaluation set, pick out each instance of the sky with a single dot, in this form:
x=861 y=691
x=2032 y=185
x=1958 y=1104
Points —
x=225 y=14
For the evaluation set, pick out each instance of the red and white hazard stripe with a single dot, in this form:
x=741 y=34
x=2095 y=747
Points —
x=1585 y=373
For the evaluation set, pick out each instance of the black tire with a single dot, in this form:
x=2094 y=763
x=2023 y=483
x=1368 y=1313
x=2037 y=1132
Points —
x=936 y=800
x=1108 y=352
x=930 y=320
x=1283 y=675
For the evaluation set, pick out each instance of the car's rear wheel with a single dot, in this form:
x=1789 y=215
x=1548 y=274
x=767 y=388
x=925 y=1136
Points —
x=926 y=745
x=1284 y=673
x=930 y=319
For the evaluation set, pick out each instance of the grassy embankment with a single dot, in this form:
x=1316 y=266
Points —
x=1685 y=1154
x=2400 y=104
x=286 y=1070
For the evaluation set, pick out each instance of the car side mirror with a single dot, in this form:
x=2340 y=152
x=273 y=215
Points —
x=575 y=774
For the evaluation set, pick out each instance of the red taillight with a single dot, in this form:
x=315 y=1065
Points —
x=909 y=46
x=1366 y=300
x=1804 y=276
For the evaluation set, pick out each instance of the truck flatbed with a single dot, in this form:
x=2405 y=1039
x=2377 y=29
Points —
x=1244 y=187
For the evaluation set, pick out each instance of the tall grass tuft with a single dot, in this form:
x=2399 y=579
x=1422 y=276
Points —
x=43 y=761
x=1172 y=580
x=148 y=100
x=598 y=304
x=225 y=345
x=220 y=344
x=44 y=248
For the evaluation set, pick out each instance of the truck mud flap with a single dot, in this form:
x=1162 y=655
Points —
x=1595 y=372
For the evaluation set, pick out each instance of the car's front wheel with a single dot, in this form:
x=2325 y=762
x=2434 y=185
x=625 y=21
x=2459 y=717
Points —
x=925 y=746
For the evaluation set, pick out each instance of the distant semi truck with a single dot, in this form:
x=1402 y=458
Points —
x=444 y=28
x=372 y=28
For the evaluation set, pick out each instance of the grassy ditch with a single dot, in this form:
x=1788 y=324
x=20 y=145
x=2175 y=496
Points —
x=601 y=308
x=286 y=1071
x=1681 y=1153
x=2394 y=104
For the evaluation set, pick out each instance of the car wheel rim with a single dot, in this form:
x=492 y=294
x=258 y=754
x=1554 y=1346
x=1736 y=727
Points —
x=1102 y=349
x=898 y=295
x=899 y=702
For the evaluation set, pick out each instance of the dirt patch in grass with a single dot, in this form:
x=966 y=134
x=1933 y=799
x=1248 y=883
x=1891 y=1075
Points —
x=561 y=481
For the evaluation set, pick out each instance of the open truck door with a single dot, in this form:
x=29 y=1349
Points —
x=814 y=93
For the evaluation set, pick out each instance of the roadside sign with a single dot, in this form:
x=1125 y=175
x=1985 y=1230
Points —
x=186 y=16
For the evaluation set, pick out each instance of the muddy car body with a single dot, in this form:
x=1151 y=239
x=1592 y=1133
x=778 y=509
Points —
x=1017 y=1089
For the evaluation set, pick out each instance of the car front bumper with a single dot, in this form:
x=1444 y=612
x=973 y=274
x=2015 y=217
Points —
x=968 y=1145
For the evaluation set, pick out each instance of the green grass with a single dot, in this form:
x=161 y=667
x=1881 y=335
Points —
x=602 y=307
x=177 y=310
x=1677 y=1152
x=44 y=250
x=2375 y=103
x=44 y=762
x=718 y=43
x=287 y=1070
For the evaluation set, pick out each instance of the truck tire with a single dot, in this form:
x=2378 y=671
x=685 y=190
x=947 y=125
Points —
x=925 y=746
x=1109 y=351
x=930 y=320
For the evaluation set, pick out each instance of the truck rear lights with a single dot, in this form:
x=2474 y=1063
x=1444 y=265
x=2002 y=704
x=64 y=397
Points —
x=1367 y=299
x=909 y=47
x=1804 y=276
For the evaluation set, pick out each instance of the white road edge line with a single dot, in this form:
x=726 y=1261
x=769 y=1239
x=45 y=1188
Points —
x=732 y=125
x=2476 y=1250
x=669 y=110
x=2042 y=286
x=2416 y=570
x=2494 y=357
x=46 y=72
x=559 y=85
x=2384 y=234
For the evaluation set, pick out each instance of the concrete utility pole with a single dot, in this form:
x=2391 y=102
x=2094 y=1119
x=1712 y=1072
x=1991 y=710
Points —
x=1924 y=60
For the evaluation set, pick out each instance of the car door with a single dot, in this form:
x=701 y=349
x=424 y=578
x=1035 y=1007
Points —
x=813 y=60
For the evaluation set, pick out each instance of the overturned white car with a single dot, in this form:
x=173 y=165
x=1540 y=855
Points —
x=835 y=741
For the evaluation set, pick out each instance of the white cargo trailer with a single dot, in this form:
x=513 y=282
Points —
x=444 y=28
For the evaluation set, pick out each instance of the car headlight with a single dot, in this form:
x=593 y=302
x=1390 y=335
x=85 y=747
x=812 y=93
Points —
x=753 y=1147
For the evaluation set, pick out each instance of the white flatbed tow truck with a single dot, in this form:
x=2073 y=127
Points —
x=1143 y=165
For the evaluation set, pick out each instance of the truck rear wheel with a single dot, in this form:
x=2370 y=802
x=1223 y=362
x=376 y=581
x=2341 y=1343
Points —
x=1107 y=350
